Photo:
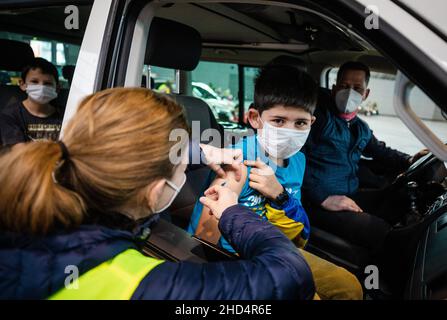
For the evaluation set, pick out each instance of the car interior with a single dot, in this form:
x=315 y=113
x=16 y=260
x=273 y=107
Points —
x=254 y=35
x=35 y=23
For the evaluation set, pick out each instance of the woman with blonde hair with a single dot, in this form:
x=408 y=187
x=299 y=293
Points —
x=75 y=212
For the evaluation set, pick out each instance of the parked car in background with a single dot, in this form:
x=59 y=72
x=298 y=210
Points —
x=369 y=109
x=223 y=109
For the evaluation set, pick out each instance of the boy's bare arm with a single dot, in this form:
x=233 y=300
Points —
x=207 y=228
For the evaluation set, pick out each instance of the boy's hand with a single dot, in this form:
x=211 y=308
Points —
x=262 y=179
x=218 y=199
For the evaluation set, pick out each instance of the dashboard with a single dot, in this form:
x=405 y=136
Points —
x=429 y=275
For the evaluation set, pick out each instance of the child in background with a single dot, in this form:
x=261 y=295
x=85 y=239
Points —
x=34 y=118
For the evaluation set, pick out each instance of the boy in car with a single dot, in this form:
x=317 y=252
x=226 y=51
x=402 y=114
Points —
x=284 y=102
x=35 y=118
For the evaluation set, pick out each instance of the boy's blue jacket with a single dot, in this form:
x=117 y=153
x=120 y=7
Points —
x=333 y=152
x=34 y=268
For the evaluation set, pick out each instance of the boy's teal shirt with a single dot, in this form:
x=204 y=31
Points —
x=289 y=176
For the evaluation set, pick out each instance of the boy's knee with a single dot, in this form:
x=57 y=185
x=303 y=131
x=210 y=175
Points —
x=333 y=282
x=343 y=285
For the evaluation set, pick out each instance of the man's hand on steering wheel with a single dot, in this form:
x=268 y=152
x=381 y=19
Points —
x=418 y=155
x=341 y=203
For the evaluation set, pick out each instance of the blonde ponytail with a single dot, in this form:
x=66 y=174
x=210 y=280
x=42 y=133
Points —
x=31 y=200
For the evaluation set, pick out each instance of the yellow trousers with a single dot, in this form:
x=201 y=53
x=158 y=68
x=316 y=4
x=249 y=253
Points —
x=331 y=281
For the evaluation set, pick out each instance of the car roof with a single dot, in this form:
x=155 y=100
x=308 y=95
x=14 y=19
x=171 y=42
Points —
x=249 y=34
x=36 y=3
x=46 y=21
x=243 y=33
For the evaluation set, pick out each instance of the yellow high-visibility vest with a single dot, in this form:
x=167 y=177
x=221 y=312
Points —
x=116 y=279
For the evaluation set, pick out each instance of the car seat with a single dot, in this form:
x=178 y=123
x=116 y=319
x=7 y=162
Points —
x=14 y=56
x=165 y=54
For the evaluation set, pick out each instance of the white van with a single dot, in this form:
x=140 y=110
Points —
x=222 y=44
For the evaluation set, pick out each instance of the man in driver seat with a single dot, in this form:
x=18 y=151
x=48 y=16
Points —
x=331 y=183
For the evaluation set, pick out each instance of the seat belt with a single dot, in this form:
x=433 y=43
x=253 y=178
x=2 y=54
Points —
x=169 y=242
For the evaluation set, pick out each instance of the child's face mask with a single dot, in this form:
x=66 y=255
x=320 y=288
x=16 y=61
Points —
x=41 y=94
x=281 y=143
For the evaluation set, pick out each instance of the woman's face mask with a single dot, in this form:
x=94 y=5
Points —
x=41 y=94
x=169 y=194
x=348 y=100
x=281 y=143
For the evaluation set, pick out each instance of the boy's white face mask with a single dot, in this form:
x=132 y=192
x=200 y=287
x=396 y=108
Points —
x=40 y=93
x=281 y=143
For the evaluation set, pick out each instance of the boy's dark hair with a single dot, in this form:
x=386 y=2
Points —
x=286 y=86
x=43 y=65
x=354 y=65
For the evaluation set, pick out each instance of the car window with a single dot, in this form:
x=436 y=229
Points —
x=162 y=79
x=378 y=112
x=58 y=53
x=218 y=85
x=62 y=49
x=215 y=83
x=250 y=74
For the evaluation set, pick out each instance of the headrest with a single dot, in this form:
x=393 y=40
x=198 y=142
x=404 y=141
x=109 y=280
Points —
x=68 y=72
x=173 y=45
x=14 y=55
x=285 y=60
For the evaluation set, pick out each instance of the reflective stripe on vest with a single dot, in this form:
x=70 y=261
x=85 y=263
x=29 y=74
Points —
x=116 y=279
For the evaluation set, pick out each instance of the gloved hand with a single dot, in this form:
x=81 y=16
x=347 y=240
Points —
x=216 y=157
x=218 y=199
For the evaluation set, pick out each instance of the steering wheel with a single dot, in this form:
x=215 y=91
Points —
x=417 y=168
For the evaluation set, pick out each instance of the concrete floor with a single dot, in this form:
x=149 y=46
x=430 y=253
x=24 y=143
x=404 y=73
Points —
x=396 y=135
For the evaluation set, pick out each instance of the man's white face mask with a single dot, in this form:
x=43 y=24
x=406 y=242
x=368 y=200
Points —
x=281 y=143
x=348 y=100
x=40 y=93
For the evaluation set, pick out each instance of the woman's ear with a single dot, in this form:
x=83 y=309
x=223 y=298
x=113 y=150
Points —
x=313 y=120
x=254 y=118
x=153 y=193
